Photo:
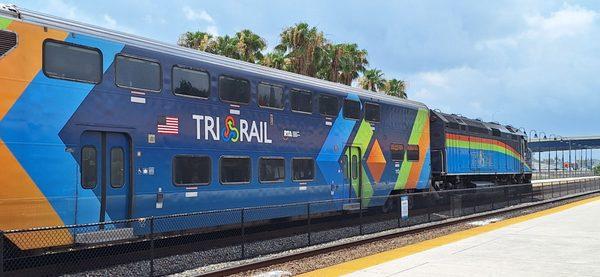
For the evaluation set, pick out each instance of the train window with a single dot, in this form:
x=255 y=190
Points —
x=412 y=153
x=117 y=167
x=271 y=169
x=303 y=169
x=72 y=62
x=496 y=132
x=372 y=112
x=354 y=167
x=344 y=165
x=234 y=90
x=270 y=96
x=89 y=167
x=9 y=41
x=351 y=109
x=328 y=105
x=137 y=73
x=190 y=82
x=235 y=170
x=191 y=170
x=397 y=152
x=301 y=101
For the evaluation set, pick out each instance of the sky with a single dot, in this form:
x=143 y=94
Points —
x=532 y=64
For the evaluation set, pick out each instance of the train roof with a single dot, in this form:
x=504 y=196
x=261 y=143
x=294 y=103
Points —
x=138 y=41
x=462 y=120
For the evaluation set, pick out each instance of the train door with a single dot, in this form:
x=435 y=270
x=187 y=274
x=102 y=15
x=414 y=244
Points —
x=353 y=171
x=105 y=170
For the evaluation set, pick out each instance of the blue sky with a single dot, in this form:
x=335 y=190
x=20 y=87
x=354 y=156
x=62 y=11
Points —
x=532 y=64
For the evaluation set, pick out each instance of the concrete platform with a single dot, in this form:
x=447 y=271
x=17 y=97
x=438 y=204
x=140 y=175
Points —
x=563 y=241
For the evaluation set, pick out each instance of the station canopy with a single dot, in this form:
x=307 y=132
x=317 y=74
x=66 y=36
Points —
x=564 y=143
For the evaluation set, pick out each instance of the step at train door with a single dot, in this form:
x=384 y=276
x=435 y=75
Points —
x=105 y=162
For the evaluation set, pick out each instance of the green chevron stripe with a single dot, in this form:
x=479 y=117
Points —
x=4 y=22
x=415 y=136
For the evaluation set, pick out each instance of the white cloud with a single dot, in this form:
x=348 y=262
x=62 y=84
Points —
x=110 y=22
x=70 y=11
x=196 y=15
x=213 y=30
x=569 y=21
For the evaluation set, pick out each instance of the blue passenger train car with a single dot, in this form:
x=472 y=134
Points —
x=97 y=125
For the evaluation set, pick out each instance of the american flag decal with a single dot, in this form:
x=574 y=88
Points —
x=168 y=125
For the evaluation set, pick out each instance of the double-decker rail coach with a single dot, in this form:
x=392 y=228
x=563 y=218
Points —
x=99 y=126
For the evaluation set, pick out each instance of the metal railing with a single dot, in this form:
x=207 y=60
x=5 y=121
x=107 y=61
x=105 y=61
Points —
x=557 y=174
x=169 y=244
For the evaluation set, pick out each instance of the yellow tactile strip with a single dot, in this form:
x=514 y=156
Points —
x=369 y=261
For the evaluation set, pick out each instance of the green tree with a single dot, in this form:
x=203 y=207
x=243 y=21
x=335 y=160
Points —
x=372 y=80
x=395 y=87
x=304 y=46
x=225 y=46
x=276 y=59
x=196 y=40
x=342 y=62
x=597 y=170
x=249 y=46
x=353 y=61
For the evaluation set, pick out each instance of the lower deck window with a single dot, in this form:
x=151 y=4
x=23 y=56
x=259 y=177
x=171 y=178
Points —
x=272 y=169
x=235 y=170
x=303 y=169
x=191 y=170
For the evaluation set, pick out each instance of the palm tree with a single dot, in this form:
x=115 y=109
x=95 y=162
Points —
x=196 y=40
x=276 y=59
x=225 y=46
x=395 y=87
x=304 y=46
x=352 y=62
x=249 y=46
x=372 y=80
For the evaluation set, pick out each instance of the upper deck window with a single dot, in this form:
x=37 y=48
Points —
x=351 y=109
x=72 y=62
x=301 y=101
x=328 y=105
x=137 y=73
x=372 y=112
x=234 y=90
x=270 y=96
x=190 y=82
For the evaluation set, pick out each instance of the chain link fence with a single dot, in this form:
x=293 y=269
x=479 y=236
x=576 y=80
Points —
x=163 y=245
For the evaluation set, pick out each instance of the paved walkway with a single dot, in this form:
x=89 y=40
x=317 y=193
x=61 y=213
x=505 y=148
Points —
x=563 y=241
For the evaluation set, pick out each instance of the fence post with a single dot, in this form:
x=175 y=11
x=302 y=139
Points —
x=1 y=252
x=243 y=233
x=428 y=207
x=308 y=222
x=361 y=215
x=152 y=246
x=492 y=200
x=399 y=202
